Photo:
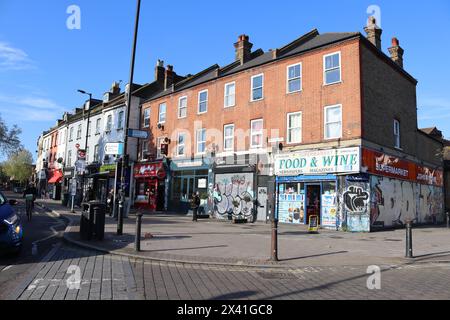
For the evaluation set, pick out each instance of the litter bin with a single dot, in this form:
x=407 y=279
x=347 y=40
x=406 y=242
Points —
x=92 y=221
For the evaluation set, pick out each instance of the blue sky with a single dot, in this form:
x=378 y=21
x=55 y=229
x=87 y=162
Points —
x=43 y=63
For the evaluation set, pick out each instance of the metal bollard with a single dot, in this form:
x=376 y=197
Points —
x=137 y=239
x=274 y=242
x=409 y=249
x=448 y=220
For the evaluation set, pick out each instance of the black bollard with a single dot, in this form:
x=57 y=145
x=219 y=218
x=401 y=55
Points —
x=448 y=220
x=137 y=240
x=409 y=249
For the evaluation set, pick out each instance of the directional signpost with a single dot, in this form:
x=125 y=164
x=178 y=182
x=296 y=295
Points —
x=139 y=134
x=114 y=148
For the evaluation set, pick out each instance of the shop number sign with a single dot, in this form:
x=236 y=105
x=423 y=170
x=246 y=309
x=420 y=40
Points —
x=318 y=162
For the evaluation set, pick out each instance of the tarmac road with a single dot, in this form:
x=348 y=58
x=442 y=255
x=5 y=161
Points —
x=43 y=231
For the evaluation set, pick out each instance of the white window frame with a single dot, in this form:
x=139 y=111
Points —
x=109 y=120
x=197 y=144
x=397 y=135
x=79 y=131
x=288 y=140
x=325 y=123
x=225 y=137
x=256 y=133
x=144 y=149
x=298 y=78
x=159 y=141
x=159 y=113
x=179 y=106
x=178 y=154
x=121 y=120
x=98 y=124
x=207 y=99
x=70 y=136
x=252 y=89
x=96 y=153
x=325 y=70
x=146 y=118
x=225 y=95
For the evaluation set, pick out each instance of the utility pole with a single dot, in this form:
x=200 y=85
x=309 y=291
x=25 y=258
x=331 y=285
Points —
x=87 y=135
x=127 y=122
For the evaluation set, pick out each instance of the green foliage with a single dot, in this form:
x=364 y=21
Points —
x=9 y=138
x=19 y=166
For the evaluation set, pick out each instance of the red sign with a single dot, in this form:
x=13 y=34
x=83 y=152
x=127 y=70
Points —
x=394 y=167
x=149 y=170
x=77 y=146
x=389 y=166
x=429 y=176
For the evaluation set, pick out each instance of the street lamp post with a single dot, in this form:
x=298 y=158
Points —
x=87 y=134
x=127 y=122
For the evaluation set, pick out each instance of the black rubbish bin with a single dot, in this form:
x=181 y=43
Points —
x=86 y=222
x=99 y=211
x=92 y=221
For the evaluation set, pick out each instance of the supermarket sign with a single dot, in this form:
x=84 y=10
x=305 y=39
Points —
x=345 y=160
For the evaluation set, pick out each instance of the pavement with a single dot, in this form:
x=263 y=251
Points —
x=175 y=238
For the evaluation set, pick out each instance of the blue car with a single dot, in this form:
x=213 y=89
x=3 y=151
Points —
x=11 y=232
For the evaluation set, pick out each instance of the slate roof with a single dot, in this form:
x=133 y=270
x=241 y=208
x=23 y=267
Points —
x=310 y=41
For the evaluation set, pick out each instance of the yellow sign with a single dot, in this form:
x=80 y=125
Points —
x=313 y=224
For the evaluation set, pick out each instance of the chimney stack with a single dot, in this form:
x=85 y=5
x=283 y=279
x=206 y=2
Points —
x=160 y=72
x=115 y=88
x=396 y=52
x=373 y=32
x=169 y=77
x=243 y=49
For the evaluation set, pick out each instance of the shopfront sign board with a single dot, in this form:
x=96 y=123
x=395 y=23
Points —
x=346 y=160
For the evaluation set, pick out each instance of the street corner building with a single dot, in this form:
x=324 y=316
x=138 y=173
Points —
x=324 y=127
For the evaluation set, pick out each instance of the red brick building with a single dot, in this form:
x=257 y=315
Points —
x=322 y=114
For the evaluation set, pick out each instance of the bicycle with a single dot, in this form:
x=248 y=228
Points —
x=29 y=205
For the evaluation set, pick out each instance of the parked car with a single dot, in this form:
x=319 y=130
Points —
x=11 y=231
x=18 y=189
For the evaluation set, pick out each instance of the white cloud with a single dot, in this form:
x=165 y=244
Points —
x=35 y=102
x=13 y=58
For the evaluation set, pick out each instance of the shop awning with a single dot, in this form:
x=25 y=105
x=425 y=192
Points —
x=57 y=177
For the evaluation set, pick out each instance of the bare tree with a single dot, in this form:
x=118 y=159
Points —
x=9 y=138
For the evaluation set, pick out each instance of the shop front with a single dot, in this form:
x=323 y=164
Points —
x=150 y=186
x=308 y=184
x=186 y=178
x=54 y=184
x=402 y=190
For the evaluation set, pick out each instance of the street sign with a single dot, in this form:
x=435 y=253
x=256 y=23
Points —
x=80 y=166
x=139 y=134
x=73 y=189
x=81 y=154
x=114 y=148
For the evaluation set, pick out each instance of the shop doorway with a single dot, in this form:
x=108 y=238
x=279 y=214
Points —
x=313 y=195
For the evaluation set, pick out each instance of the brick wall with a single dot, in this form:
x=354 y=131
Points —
x=276 y=104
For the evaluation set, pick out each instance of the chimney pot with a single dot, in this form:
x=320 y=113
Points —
x=160 y=72
x=396 y=52
x=373 y=32
x=243 y=49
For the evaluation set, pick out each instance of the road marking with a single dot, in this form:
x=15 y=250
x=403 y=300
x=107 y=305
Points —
x=6 y=268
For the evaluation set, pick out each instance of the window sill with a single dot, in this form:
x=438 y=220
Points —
x=331 y=84
x=294 y=92
x=257 y=100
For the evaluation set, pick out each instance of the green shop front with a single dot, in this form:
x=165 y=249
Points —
x=308 y=184
x=187 y=177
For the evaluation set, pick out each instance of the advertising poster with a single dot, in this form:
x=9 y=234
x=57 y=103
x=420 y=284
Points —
x=329 y=210
x=291 y=208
